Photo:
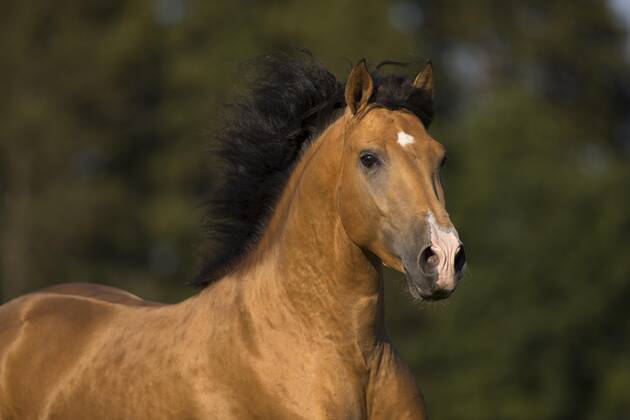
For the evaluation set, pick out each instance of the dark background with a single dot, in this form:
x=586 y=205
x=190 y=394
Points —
x=106 y=110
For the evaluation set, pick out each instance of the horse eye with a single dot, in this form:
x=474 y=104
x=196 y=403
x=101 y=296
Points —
x=369 y=159
x=444 y=160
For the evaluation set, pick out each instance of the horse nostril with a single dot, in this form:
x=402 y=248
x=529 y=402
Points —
x=428 y=260
x=460 y=259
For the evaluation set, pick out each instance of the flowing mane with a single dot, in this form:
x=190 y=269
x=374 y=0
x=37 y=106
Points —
x=291 y=99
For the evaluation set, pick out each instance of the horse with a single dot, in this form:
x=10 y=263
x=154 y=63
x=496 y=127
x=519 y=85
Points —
x=324 y=183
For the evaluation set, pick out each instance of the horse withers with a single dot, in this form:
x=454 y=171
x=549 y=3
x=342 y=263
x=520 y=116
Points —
x=324 y=182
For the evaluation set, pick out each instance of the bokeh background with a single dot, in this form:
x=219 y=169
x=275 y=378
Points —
x=106 y=114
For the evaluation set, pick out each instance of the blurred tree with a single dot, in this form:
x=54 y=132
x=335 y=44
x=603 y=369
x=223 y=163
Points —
x=105 y=119
x=79 y=115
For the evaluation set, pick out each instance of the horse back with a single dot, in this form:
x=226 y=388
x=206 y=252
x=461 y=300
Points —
x=98 y=292
x=44 y=334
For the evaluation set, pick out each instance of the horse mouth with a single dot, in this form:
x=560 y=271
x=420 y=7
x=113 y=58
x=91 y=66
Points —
x=438 y=295
x=428 y=294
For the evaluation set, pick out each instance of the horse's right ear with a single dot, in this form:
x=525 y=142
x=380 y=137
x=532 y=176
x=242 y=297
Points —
x=359 y=87
x=424 y=79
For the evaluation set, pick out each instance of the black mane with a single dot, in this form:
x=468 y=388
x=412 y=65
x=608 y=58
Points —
x=291 y=99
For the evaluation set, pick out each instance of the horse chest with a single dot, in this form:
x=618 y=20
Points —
x=300 y=387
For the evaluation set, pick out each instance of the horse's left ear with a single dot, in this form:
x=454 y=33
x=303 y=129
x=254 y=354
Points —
x=359 y=87
x=424 y=79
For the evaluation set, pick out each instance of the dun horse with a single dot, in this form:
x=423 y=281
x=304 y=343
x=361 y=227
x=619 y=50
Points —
x=324 y=184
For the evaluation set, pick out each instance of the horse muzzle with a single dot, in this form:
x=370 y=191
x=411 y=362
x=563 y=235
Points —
x=435 y=271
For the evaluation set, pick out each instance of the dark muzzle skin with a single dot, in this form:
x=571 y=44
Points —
x=434 y=260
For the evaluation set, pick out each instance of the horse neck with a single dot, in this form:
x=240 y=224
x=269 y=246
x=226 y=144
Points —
x=305 y=266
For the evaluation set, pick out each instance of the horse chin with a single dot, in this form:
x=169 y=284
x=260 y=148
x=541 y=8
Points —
x=421 y=291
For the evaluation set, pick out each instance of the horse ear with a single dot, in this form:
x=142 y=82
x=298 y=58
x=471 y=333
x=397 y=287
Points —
x=359 y=87
x=424 y=79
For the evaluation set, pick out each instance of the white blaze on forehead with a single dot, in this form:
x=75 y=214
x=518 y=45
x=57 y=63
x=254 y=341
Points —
x=404 y=139
x=445 y=243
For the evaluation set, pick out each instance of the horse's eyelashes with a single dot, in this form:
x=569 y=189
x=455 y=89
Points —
x=444 y=160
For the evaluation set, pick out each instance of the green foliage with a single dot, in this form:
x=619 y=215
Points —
x=104 y=123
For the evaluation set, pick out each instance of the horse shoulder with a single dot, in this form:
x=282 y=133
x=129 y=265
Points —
x=392 y=391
